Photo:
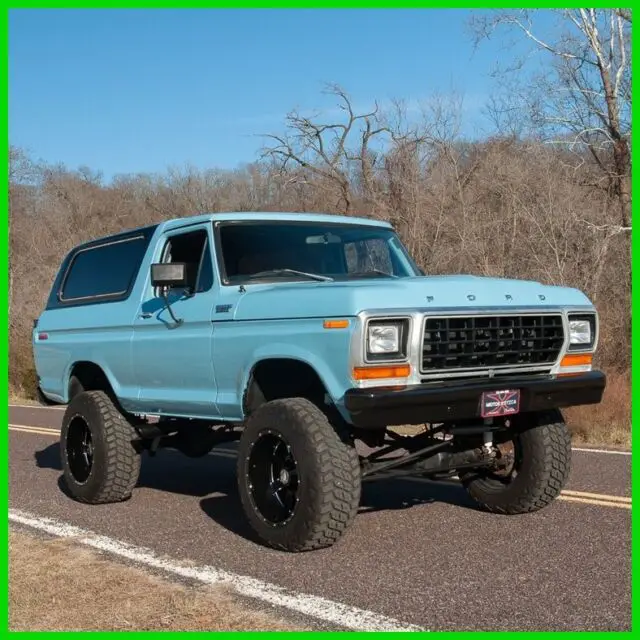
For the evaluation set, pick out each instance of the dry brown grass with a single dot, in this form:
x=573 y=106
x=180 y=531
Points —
x=58 y=585
x=18 y=396
x=607 y=423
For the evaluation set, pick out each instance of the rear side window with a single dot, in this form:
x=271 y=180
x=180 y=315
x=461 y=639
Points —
x=106 y=270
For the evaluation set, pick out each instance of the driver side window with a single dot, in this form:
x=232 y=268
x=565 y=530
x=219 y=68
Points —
x=193 y=249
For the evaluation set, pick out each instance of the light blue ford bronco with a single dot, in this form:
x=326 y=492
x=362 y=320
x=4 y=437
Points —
x=318 y=344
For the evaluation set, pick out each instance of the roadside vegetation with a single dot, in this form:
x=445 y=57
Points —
x=545 y=197
x=130 y=599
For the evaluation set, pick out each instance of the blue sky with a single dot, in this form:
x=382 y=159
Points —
x=138 y=91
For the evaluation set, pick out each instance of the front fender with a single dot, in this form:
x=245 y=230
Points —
x=240 y=346
x=332 y=375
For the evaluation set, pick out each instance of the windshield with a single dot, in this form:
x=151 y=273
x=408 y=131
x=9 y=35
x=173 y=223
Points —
x=255 y=251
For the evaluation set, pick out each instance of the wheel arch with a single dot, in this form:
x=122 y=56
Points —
x=92 y=376
x=285 y=376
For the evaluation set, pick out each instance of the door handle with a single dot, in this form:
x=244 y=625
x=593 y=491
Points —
x=146 y=315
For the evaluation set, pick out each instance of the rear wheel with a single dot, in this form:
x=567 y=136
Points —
x=299 y=483
x=539 y=462
x=100 y=462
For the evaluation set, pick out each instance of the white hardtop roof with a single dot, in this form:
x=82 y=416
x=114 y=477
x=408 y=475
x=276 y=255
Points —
x=273 y=216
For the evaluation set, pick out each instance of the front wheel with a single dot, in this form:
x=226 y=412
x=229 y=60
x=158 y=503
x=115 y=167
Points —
x=299 y=483
x=540 y=461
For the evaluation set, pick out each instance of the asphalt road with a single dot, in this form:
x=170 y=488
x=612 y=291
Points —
x=418 y=552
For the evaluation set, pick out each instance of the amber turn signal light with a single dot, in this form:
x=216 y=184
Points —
x=379 y=373
x=335 y=324
x=576 y=360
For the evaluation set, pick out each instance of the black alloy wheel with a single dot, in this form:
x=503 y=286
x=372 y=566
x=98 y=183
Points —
x=79 y=447
x=273 y=478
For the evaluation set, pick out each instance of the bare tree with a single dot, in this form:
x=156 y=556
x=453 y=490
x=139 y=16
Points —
x=23 y=173
x=331 y=151
x=585 y=98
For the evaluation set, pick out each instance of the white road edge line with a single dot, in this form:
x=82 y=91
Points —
x=309 y=605
x=612 y=451
x=37 y=406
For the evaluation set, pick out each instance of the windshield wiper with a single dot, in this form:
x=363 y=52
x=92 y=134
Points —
x=294 y=272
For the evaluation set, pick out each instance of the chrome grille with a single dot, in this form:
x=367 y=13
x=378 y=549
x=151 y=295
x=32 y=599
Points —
x=485 y=342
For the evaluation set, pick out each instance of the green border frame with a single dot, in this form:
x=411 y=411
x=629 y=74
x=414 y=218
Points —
x=285 y=4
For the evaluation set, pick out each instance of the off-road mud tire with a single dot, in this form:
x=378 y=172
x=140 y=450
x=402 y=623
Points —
x=116 y=459
x=329 y=471
x=544 y=444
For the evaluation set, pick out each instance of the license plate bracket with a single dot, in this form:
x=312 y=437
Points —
x=503 y=402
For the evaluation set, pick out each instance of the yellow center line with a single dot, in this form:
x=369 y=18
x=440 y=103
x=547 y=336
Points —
x=583 y=497
x=596 y=496
x=27 y=429
x=599 y=502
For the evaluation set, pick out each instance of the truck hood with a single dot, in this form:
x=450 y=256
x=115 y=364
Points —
x=323 y=299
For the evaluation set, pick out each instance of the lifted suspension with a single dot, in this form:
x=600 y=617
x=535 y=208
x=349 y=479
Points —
x=430 y=456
